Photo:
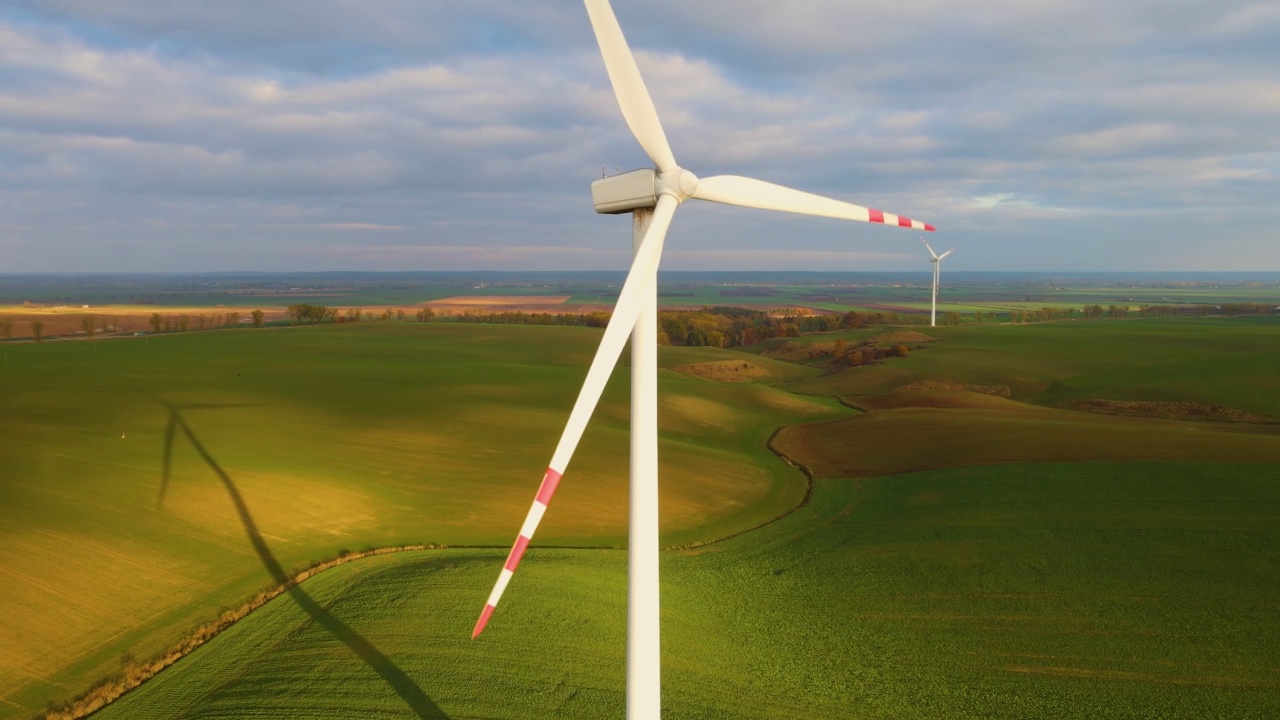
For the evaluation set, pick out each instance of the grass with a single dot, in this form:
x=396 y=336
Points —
x=1077 y=590
x=339 y=437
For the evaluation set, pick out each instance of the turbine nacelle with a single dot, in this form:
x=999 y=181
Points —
x=628 y=191
x=639 y=189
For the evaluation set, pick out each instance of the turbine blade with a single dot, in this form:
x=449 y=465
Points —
x=931 y=252
x=735 y=190
x=628 y=86
x=946 y=253
x=644 y=272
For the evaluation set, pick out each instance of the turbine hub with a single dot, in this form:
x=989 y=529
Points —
x=677 y=182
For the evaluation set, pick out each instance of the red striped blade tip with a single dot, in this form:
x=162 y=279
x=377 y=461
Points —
x=484 y=620
x=517 y=552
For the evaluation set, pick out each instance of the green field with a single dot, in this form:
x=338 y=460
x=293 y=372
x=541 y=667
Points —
x=1067 y=591
x=338 y=437
x=983 y=561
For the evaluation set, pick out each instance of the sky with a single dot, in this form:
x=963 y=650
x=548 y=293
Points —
x=1049 y=135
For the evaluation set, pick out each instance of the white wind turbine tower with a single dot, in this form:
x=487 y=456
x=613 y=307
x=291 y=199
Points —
x=937 y=265
x=651 y=196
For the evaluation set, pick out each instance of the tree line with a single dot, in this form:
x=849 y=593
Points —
x=591 y=319
x=304 y=314
x=715 y=326
x=721 y=326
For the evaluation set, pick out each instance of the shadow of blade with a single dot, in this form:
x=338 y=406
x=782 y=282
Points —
x=168 y=456
x=402 y=684
x=167 y=461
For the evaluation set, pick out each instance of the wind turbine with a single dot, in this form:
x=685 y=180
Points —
x=651 y=195
x=937 y=264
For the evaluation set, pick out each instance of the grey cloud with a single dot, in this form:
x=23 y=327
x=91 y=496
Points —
x=1010 y=125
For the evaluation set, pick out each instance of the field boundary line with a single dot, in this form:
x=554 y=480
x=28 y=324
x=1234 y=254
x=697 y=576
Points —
x=804 y=501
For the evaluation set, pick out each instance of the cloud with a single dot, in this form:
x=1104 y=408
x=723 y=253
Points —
x=335 y=226
x=481 y=125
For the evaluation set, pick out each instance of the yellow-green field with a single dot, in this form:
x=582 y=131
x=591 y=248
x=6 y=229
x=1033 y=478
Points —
x=339 y=438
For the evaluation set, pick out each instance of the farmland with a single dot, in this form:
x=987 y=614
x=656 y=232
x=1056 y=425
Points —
x=975 y=545
x=127 y=302
x=338 y=437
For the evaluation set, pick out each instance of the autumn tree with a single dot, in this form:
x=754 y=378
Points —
x=425 y=314
x=6 y=326
x=88 y=324
x=155 y=322
x=257 y=318
x=851 y=320
x=37 y=330
x=304 y=314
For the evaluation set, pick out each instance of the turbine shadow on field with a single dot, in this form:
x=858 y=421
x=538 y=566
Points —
x=402 y=684
x=174 y=420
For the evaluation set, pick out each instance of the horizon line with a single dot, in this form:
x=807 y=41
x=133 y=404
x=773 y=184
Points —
x=618 y=271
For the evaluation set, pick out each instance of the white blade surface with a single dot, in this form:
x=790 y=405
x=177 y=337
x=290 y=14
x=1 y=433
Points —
x=931 y=252
x=735 y=190
x=946 y=253
x=644 y=270
x=628 y=86
x=644 y=273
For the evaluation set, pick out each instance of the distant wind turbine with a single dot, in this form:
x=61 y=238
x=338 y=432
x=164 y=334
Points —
x=651 y=196
x=937 y=264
